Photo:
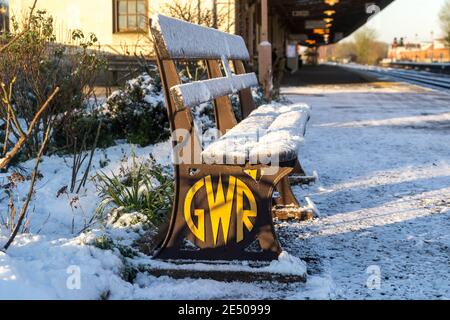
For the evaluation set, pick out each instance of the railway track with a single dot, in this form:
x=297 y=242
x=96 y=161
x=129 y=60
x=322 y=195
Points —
x=428 y=79
x=434 y=81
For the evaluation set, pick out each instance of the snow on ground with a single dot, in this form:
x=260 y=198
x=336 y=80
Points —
x=39 y=264
x=384 y=193
x=383 y=154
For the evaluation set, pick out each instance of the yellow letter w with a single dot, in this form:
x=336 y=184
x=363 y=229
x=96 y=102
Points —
x=220 y=208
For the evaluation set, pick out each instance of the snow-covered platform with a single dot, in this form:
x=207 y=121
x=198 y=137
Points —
x=383 y=151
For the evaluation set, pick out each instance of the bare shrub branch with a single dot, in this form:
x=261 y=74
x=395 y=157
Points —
x=4 y=161
x=34 y=176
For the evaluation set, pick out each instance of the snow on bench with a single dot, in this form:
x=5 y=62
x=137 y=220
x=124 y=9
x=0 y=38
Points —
x=196 y=93
x=271 y=131
x=183 y=40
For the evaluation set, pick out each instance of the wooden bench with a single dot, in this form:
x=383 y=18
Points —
x=223 y=198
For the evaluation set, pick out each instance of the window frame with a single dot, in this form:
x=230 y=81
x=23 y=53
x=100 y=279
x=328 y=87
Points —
x=116 y=15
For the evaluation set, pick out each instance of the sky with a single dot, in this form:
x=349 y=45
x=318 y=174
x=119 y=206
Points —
x=411 y=19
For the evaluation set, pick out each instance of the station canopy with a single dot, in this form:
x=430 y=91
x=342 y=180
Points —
x=320 y=22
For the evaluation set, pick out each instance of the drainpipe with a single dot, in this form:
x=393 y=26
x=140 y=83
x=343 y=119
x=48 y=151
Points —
x=3 y=16
x=214 y=11
x=265 y=52
x=199 y=12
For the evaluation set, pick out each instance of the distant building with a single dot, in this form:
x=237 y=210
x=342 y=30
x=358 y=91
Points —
x=328 y=53
x=435 y=51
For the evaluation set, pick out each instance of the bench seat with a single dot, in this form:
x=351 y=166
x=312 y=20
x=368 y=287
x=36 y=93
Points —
x=270 y=132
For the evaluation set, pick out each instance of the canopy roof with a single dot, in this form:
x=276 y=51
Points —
x=319 y=22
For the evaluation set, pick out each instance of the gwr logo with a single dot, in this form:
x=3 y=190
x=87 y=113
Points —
x=220 y=208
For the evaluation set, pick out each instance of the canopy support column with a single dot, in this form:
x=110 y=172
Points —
x=265 y=52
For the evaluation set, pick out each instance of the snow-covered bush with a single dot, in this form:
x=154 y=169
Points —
x=137 y=112
x=145 y=187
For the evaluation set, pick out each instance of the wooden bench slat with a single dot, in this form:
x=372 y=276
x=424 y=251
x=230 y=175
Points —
x=195 y=93
x=183 y=40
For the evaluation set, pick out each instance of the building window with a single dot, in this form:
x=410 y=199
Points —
x=130 y=16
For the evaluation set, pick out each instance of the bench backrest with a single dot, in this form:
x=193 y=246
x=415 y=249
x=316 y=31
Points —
x=177 y=40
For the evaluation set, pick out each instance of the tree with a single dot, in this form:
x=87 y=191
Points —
x=368 y=49
x=346 y=51
x=193 y=11
x=444 y=17
x=363 y=48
